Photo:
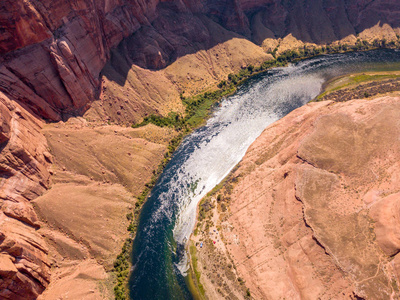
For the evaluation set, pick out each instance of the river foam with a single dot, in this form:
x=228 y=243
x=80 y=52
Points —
x=228 y=134
x=207 y=155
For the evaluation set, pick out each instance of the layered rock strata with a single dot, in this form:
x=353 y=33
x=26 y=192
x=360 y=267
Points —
x=53 y=51
x=24 y=268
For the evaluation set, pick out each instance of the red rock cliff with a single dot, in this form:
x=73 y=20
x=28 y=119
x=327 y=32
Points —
x=24 y=271
x=53 y=51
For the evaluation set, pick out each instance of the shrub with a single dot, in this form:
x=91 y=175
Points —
x=248 y=294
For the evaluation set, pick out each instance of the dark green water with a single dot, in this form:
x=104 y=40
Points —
x=209 y=154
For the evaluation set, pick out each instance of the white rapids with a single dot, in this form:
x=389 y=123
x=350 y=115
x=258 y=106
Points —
x=208 y=154
x=227 y=136
x=238 y=121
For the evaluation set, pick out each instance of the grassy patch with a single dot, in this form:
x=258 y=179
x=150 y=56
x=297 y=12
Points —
x=353 y=80
x=365 y=77
x=196 y=272
x=172 y=120
x=198 y=107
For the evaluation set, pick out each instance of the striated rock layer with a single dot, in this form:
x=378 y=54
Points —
x=24 y=270
x=314 y=207
x=53 y=51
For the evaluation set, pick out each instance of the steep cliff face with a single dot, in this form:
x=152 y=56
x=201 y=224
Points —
x=24 y=270
x=57 y=70
x=53 y=51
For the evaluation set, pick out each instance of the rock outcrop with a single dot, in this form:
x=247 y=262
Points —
x=314 y=204
x=24 y=269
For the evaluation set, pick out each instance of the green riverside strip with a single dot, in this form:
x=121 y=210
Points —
x=198 y=109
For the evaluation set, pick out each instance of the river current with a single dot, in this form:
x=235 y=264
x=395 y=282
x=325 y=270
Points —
x=206 y=156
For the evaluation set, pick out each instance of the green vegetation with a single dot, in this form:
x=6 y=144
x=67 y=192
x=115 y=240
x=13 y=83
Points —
x=311 y=51
x=198 y=107
x=123 y=261
x=121 y=269
x=354 y=80
x=248 y=294
x=197 y=274
x=197 y=110
x=172 y=120
x=369 y=77
x=204 y=207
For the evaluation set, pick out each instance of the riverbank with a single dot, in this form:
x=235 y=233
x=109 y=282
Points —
x=212 y=268
x=179 y=122
x=267 y=224
x=213 y=233
x=84 y=214
x=356 y=86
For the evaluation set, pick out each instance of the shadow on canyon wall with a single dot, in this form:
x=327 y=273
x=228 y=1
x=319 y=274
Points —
x=175 y=34
x=53 y=55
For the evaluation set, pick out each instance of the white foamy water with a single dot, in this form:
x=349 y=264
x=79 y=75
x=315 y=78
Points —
x=227 y=136
x=208 y=155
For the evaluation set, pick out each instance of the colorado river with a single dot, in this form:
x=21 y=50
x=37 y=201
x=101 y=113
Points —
x=207 y=155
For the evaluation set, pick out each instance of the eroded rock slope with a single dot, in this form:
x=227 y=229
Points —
x=53 y=51
x=24 y=267
x=313 y=210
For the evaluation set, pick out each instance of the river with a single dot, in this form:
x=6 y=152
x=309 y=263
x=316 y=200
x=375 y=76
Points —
x=207 y=155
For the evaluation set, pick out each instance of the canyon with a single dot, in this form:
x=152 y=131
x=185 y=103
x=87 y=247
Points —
x=74 y=74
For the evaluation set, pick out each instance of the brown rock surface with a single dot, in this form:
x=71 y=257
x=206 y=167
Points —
x=386 y=214
x=66 y=44
x=24 y=265
x=313 y=206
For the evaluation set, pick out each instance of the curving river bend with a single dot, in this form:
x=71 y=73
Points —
x=207 y=155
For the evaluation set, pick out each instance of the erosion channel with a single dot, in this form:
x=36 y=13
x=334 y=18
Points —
x=205 y=157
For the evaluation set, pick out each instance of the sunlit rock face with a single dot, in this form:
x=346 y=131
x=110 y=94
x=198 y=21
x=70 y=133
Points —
x=316 y=220
x=24 y=268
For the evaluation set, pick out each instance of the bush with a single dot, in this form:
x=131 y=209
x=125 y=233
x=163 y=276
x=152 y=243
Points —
x=248 y=294
x=222 y=84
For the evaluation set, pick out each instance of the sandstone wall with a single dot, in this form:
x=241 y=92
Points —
x=53 y=51
x=24 y=270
